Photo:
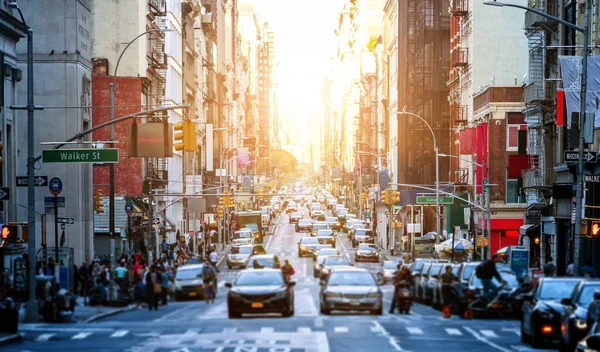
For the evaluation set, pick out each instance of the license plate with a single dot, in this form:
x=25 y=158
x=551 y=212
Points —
x=355 y=303
x=193 y=294
x=257 y=305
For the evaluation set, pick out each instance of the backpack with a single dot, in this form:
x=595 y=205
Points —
x=208 y=273
x=480 y=270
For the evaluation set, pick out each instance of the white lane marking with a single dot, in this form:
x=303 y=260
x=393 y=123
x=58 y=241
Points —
x=173 y=313
x=415 y=331
x=384 y=333
x=318 y=322
x=488 y=333
x=119 y=333
x=192 y=331
x=81 y=336
x=515 y=331
x=269 y=242
x=266 y=330
x=229 y=330
x=44 y=337
x=340 y=329
x=304 y=329
x=486 y=341
x=453 y=332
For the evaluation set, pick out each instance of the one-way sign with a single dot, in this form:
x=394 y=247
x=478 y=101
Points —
x=4 y=193
x=589 y=157
x=37 y=180
x=65 y=220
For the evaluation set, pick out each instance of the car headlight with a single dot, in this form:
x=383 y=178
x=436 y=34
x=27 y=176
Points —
x=302 y=248
x=580 y=324
x=332 y=295
x=374 y=295
x=280 y=295
x=545 y=315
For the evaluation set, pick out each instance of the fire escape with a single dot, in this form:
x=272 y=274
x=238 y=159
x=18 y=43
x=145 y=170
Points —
x=540 y=87
x=156 y=82
x=459 y=62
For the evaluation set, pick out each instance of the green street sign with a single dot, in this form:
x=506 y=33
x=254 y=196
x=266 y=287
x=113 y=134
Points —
x=109 y=155
x=396 y=207
x=431 y=200
x=485 y=184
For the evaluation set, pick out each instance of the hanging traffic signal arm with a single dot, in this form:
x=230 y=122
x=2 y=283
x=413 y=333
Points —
x=179 y=133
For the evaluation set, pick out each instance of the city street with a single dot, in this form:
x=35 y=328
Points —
x=197 y=326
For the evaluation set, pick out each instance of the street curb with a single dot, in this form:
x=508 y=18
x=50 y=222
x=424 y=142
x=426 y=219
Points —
x=111 y=313
x=10 y=339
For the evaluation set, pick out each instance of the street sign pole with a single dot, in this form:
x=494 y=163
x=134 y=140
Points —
x=55 y=231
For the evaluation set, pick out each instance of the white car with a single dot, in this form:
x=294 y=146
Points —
x=242 y=237
x=321 y=255
x=237 y=256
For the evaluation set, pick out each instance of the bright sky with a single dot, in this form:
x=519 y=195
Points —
x=304 y=43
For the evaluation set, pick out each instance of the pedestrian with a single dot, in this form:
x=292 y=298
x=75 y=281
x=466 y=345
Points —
x=83 y=277
x=486 y=272
x=164 y=247
x=209 y=275
x=448 y=279
x=153 y=287
x=402 y=277
x=214 y=258
x=549 y=268
x=588 y=270
x=164 y=284
x=570 y=269
x=287 y=270
x=120 y=276
x=593 y=313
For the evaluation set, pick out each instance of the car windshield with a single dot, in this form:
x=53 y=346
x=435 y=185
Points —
x=324 y=232
x=467 y=271
x=304 y=222
x=188 y=274
x=259 y=278
x=508 y=276
x=435 y=269
x=454 y=270
x=330 y=219
x=316 y=207
x=309 y=240
x=242 y=234
x=367 y=247
x=363 y=232
x=317 y=227
x=586 y=296
x=390 y=265
x=351 y=278
x=555 y=290
x=263 y=261
x=419 y=265
x=253 y=227
x=241 y=250
x=297 y=214
x=336 y=261
x=328 y=251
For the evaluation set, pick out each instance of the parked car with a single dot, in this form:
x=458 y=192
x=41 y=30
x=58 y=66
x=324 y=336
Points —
x=422 y=280
x=574 y=317
x=188 y=282
x=237 y=256
x=260 y=291
x=542 y=310
x=304 y=225
x=367 y=252
x=433 y=287
x=307 y=246
x=350 y=289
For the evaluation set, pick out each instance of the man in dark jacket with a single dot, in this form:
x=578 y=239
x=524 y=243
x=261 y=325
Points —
x=486 y=272
x=153 y=287
x=402 y=277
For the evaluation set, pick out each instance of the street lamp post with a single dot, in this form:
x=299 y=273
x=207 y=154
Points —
x=31 y=310
x=582 y=108
x=111 y=166
x=437 y=173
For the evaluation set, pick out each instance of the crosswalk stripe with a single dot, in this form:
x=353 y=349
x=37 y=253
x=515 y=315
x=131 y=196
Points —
x=44 y=337
x=81 y=336
x=229 y=330
x=304 y=329
x=119 y=333
x=488 y=333
x=340 y=329
x=192 y=331
x=454 y=332
x=266 y=330
x=415 y=331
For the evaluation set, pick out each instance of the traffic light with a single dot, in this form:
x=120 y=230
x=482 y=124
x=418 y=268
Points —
x=395 y=195
x=386 y=196
x=220 y=212
x=9 y=232
x=221 y=202
x=595 y=228
x=184 y=133
x=98 y=202
x=363 y=198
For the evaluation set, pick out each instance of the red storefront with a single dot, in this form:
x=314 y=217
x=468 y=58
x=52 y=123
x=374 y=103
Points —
x=505 y=232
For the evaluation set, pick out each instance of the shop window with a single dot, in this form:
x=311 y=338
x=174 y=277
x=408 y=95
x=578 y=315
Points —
x=513 y=191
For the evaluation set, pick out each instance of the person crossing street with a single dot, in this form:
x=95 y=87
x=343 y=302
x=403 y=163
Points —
x=209 y=279
x=287 y=270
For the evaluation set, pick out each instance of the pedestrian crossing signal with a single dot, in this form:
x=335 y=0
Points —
x=9 y=233
x=595 y=228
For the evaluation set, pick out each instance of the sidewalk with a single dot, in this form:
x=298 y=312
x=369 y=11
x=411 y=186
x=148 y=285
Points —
x=88 y=314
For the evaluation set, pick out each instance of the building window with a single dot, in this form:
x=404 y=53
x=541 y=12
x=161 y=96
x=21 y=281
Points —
x=513 y=192
x=515 y=123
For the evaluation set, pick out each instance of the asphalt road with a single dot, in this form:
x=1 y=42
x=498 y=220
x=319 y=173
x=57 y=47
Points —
x=198 y=327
